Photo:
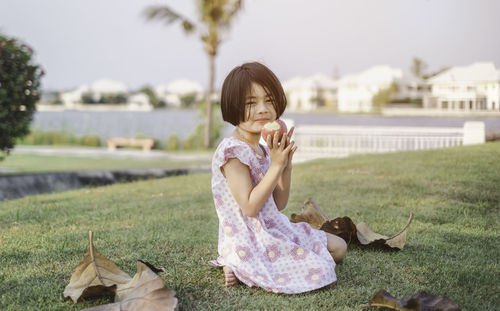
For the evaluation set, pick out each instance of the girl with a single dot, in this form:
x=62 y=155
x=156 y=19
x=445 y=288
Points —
x=258 y=245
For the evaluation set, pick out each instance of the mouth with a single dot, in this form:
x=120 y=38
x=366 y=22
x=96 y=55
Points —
x=262 y=120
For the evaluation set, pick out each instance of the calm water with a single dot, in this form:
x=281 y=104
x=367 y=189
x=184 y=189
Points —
x=162 y=123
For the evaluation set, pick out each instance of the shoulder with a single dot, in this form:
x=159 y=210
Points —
x=231 y=147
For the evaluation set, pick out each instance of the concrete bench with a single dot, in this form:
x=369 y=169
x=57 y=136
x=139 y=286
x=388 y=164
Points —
x=145 y=143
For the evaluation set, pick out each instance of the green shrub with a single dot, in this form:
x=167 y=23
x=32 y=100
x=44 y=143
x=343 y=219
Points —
x=51 y=138
x=195 y=140
x=19 y=91
x=90 y=140
x=173 y=143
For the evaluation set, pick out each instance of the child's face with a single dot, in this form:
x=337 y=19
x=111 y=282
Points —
x=259 y=110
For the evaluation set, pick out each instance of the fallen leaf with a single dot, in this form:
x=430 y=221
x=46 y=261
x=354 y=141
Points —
x=345 y=228
x=312 y=214
x=366 y=236
x=421 y=301
x=94 y=275
x=145 y=292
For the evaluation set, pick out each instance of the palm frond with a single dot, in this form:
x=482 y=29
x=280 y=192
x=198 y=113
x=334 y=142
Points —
x=169 y=16
x=235 y=7
x=218 y=12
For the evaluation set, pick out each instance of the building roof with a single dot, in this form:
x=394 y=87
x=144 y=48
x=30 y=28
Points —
x=379 y=74
x=180 y=86
x=476 y=72
x=108 y=86
x=318 y=80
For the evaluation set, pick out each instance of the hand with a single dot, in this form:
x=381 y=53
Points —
x=292 y=151
x=281 y=151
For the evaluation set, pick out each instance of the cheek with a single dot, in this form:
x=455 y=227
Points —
x=273 y=111
x=248 y=112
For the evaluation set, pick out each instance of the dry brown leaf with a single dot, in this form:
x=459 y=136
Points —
x=343 y=227
x=346 y=229
x=146 y=291
x=94 y=275
x=312 y=214
x=366 y=236
x=421 y=301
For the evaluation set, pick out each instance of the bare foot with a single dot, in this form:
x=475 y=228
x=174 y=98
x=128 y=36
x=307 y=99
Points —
x=229 y=277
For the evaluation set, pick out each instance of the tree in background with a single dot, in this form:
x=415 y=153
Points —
x=19 y=91
x=215 y=17
x=418 y=67
x=384 y=96
x=188 y=100
x=153 y=98
x=432 y=74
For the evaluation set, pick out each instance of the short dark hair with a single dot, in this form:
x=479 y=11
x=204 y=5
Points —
x=237 y=85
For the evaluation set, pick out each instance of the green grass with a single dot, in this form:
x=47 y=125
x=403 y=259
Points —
x=21 y=163
x=452 y=246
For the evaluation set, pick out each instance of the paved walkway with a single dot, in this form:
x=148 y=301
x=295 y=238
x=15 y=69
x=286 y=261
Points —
x=96 y=152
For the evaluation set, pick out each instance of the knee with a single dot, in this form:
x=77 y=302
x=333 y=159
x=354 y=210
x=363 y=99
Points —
x=337 y=247
x=340 y=251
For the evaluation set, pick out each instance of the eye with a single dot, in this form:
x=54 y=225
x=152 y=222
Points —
x=251 y=103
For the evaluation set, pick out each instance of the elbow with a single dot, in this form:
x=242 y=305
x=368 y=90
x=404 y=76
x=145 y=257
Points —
x=250 y=211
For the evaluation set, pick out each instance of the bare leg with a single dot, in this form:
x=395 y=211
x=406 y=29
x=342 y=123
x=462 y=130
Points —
x=336 y=246
x=229 y=277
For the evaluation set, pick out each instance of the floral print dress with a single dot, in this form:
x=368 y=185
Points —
x=267 y=251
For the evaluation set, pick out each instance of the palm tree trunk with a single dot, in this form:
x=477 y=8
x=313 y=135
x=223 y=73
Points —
x=208 y=123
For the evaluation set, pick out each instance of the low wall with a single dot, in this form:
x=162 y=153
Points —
x=319 y=141
x=14 y=186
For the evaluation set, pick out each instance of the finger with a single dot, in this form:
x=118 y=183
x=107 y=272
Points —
x=275 y=140
x=284 y=141
x=290 y=132
x=291 y=153
x=269 y=142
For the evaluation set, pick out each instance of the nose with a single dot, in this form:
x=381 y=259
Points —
x=262 y=107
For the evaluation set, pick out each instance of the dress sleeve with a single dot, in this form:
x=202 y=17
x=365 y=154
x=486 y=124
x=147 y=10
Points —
x=235 y=150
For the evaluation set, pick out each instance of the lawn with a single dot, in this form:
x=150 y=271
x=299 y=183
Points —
x=28 y=163
x=452 y=246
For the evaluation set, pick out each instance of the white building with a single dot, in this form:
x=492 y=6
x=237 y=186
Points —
x=73 y=99
x=411 y=90
x=470 y=88
x=139 y=101
x=356 y=91
x=310 y=93
x=107 y=86
x=173 y=92
x=98 y=88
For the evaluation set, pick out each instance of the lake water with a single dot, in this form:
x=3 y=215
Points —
x=161 y=124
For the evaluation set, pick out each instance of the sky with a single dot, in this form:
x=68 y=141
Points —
x=80 y=41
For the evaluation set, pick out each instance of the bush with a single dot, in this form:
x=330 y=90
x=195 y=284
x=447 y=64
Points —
x=50 y=138
x=90 y=140
x=19 y=91
x=384 y=97
x=173 y=143
x=493 y=136
x=195 y=140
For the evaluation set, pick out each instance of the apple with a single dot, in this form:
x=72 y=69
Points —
x=272 y=127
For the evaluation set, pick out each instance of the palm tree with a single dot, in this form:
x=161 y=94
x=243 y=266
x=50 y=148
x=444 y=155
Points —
x=215 y=17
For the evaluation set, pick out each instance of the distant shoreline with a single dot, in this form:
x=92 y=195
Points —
x=415 y=112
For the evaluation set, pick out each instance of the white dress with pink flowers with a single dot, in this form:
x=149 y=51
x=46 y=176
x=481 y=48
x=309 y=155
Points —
x=267 y=251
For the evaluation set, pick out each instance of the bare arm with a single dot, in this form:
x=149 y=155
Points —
x=282 y=191
x=251 y=199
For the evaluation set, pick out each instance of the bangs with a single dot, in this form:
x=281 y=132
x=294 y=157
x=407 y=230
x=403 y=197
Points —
x=238 y=84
